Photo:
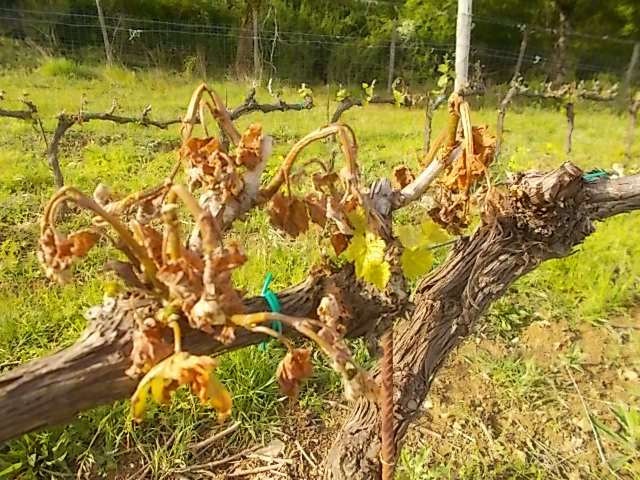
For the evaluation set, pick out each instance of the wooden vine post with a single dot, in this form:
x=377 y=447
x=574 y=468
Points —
x=105 y=35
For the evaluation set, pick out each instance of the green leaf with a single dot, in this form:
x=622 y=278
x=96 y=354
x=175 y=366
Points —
x=342 y=94
x=410 y=236
x=356 y=251
x=443 y=68
x=416 y=262
x=368 y=90
x=398 y=96
x=418 y=236
x=443 y=80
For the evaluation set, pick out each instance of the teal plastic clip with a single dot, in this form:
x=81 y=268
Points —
x=595 y=175
x=274 y=304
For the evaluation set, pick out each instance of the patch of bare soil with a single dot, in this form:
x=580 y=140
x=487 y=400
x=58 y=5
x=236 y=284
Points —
x=532 y=408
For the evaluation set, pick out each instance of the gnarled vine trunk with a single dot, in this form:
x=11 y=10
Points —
x=544 y=217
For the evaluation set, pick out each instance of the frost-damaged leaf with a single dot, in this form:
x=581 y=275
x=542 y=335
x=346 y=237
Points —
x=150 y=239
x=324 y=182
x=198 y=149
x=149 y=347
x=210 y=167
x=469 y=168
x=403 y=175
x=316 y=206
x=333 y=314
x=58 y=252
x=219 y=299
x=293 y=369
x=289 y=214
x=184 y=280
x=181 y=368
x=340 y=242
x=453 y=196
x=330 y=338
x=248 y=151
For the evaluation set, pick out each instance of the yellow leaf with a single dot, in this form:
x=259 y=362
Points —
x=377 y=273
x=358 y=220
x=433 y=232
x=410 y=236
x=416 y=262
x=414 y=236
x=181 y=368
x=366 y=251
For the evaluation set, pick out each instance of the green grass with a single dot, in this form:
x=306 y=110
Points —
x=36 y=317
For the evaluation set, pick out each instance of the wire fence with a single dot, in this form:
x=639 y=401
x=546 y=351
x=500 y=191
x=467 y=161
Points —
x=301 y=56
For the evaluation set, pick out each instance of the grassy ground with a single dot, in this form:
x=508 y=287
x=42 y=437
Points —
x=569 y=319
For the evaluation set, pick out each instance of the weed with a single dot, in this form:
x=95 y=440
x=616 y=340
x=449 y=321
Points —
x=626 y=437
x=63 y=67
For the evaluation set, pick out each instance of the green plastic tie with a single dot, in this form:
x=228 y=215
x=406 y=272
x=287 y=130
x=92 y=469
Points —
x=274 y=304
x=595 y=175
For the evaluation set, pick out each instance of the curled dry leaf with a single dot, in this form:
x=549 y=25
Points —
x=403 y=176
x=324 y=182
x=467 y=169
x=248 y=151
x=293 y=369
x=210 y=167
x=184 y=281
x=340 y=242
x=316 y=206
x=103 y=195
x=181 y=368
x=333 y=314
x=219 y=299
x=150 y=239
x=289 y=214
x=58 y=252
x=149 y=347
x=453 y=195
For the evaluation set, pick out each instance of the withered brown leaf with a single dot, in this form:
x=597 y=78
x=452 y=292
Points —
x=403 y=176
x=57 y=252
x=293 y=369
x=340 y=242
x=248 y=151
x=316 y=206
x=324 y=180
x=149 y=348
x=289 y=214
